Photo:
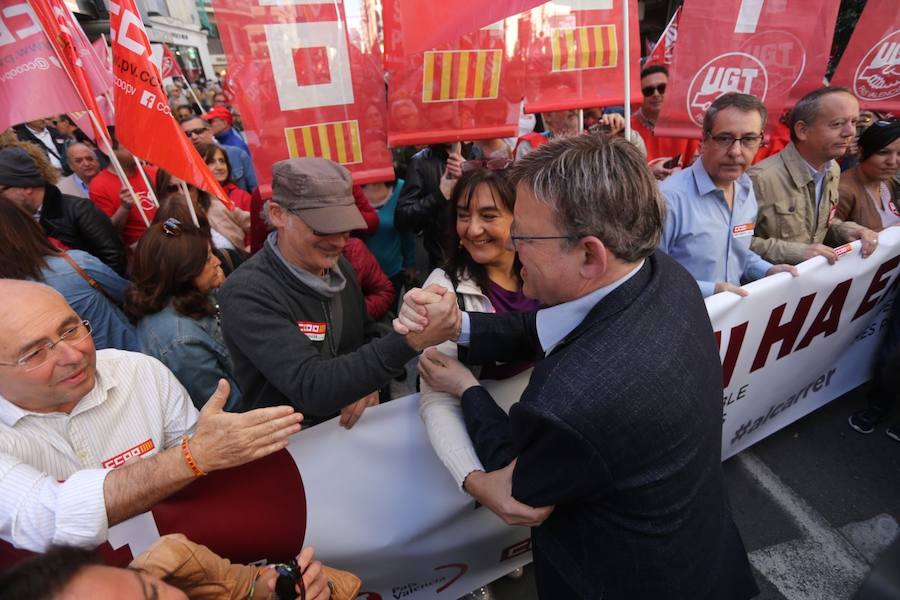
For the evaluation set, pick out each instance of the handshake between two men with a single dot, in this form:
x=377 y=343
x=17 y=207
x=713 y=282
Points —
x=427 y=318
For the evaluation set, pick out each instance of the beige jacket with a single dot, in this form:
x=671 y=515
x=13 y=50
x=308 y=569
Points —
x=787 y=219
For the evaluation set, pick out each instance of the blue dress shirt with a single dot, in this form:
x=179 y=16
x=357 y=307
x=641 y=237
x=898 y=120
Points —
x=709 y=240
x=554 y=323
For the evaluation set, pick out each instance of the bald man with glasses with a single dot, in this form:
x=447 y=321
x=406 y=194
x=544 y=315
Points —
x=91 y=438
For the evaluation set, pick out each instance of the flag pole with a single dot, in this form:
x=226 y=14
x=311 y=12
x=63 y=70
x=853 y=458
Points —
x=143 y=173
x=580 y=120
x=627 y=69
x=190 y=203
x=117 y=166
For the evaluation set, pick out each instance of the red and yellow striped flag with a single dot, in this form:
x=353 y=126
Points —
x=450 y=75
x=580 y=48
x=337 y=141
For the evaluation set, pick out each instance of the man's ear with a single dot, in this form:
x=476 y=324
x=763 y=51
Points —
x=800 y=129
x=595 y=259
x=277 y=215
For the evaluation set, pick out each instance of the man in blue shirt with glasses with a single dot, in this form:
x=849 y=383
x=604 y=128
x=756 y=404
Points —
x=712 y=206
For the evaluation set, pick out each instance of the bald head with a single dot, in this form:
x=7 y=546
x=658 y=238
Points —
x=83 y=161
x=34 y=375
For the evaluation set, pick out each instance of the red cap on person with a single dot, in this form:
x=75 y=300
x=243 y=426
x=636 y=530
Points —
x=218 y=112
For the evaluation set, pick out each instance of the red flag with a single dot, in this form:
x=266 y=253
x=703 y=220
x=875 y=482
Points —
x=576 y=55
x=756 y=47
x=427 y=25
x=54 y=18
x=170 y=66
x=99 y=73
x=30 y=70
x=144 y=120
x=309 y=82
x=661 y=54
x=870 y=65
x=463 y=90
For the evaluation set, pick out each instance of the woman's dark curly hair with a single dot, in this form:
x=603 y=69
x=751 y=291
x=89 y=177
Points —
x=459 y=263
x=164 y=269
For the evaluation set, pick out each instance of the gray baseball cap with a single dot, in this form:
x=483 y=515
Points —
x=319 y=191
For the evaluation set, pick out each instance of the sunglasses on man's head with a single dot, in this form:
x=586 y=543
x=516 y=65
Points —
x=491 y=164
x=648 y=91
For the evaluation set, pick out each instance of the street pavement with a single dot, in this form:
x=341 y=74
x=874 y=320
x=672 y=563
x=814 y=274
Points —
x=816 y=504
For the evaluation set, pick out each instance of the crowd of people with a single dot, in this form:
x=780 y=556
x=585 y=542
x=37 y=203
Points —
x=197 y=333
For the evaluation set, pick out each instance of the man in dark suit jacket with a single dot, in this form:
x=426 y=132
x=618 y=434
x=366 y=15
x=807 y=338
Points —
x=619 y=430
x=48 y=139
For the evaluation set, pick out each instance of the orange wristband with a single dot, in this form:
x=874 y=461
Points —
x=189 y=458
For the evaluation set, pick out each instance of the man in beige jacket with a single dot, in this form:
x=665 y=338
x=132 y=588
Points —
x=797 y=189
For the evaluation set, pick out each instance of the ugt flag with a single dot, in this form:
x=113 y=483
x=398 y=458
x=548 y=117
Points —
x=576 y=54
x=870 y=65
x=758 y=47
x=309 y=82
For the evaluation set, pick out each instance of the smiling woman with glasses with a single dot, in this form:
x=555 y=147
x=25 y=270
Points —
x=90 y=287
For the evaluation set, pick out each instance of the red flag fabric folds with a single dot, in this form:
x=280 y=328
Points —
x=30 y=69
x=757 y=47
x=870 y=65
x=661 y=54
x=428 y=25
x=576 y=54
x=144 y=120
x=170 y=66
x=466 y=89
x=308 y=82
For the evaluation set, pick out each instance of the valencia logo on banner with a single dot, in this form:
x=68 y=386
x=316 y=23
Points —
x=450 y=75
x=338 y=141
x=580 y=48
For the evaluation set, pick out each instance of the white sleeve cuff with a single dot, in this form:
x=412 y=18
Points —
x=81 y=510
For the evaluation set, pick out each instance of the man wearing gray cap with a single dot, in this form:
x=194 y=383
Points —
x=293 y=315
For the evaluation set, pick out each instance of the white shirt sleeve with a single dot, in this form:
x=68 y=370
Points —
x=36 y=511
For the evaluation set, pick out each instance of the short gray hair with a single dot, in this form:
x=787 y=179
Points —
x=807 y=108
x=742 y=102
x=597 y=185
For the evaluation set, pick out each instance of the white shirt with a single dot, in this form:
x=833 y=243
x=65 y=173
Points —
x=47 y=140
x=53 y=465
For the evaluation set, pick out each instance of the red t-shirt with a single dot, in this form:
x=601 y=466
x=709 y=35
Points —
x=659 y=147
x=104 y=193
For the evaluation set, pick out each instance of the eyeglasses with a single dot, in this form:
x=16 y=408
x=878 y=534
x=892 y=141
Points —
x=515 y=239
x=296 y=213
x=172 y=227
x=725 y=141
x=289 y=575
x=491 y=164
x=648 y=91
x=198 y=131
x=39 y=356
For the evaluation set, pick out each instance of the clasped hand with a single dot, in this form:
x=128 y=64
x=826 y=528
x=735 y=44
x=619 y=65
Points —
x=429 y=317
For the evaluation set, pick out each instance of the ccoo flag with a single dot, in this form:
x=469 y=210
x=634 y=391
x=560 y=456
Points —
x=146 y=125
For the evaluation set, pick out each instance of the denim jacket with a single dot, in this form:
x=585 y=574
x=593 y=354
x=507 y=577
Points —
x=194 y=351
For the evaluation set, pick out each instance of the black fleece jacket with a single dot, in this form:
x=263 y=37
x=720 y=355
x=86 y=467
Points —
x=263 y=308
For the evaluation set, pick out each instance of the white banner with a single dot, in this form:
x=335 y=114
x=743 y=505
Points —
x=795 y=344
x=380 y=503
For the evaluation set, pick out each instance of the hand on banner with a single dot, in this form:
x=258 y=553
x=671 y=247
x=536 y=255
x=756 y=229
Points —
x=724 y=286
x=494 y=490
x=224 y=440
x=314 y=579
x=351 y=413
x=783 y=269
x=452 y=172
x=869 y=241
x=444 y=373
x=429 y=317
x=820 y=250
